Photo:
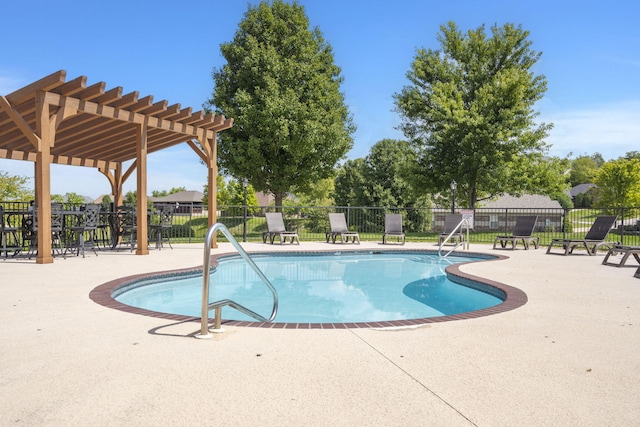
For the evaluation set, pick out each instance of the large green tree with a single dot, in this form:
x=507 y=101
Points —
x=164 y=193
x=319 y=194
x=632 y=155
x=618 y=183
x=13 y=188
x=350 y=184
x=468 y=111
x=584 y=169
x=223 y=196
x=381 y=179
x=281 y=86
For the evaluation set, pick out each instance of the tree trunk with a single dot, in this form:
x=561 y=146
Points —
x=279 y=196
x=473 y=197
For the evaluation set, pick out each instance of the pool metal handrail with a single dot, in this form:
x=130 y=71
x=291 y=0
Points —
x=217 y=305
x=463 y=242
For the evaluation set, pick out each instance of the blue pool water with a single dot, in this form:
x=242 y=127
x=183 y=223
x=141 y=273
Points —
x=321 y=288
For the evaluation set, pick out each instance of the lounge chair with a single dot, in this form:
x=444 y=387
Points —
x=392 y=227
x=275 y=228
x=339 y=229
x=522 y=230
x=637 y=273
x=594 y=239
x=625 y=251
x=451 y=222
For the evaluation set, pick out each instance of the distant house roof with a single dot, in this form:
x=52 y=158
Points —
x=580 y=188
x=526 y=201
x=100 y=198
x=264 y=199
x=180 y=197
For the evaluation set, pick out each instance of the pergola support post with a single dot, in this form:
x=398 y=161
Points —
x=212 y=176
x=42 y=170
x=142 y=248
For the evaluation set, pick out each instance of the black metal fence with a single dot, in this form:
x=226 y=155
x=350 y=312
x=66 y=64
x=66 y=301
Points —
x=190 y=222
x=424 y=225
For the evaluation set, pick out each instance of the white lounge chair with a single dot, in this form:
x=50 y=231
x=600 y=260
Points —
x=276 y=228
x=339 y=228
x=392 y=227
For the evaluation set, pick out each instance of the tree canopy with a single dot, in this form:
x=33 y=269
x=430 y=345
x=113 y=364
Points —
x=379 y=179
x=164 y=193
x=584 y=169
x=14 y=188
x=632 y=155
x=382 y=179
x=468 y=112
x=223 y=196
x=72 y=198
x=618 y=183
x=281 y=86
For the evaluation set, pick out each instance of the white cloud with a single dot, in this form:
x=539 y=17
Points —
x=611 y=130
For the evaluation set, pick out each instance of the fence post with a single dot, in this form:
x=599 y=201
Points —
x=190 y=220
x=506 y=221
x=621 y=226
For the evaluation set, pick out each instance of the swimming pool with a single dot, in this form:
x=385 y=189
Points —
x=344 y=289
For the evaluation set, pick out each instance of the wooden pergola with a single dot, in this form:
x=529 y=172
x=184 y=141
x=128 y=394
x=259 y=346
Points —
x=68 y=123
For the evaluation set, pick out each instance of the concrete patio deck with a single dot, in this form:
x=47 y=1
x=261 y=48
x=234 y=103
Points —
x=569 y=357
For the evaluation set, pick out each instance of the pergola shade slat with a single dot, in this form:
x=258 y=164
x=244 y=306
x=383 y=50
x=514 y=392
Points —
x=92 y=92
x=46 y=83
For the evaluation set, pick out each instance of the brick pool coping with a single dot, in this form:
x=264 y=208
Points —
x=512 y=297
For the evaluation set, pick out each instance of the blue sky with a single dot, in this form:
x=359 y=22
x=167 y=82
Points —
x=590 y=56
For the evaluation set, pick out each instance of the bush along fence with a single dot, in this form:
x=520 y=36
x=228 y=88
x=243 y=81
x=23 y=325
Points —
x=190 y=222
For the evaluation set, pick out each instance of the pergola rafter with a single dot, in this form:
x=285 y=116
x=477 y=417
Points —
x=53 y=121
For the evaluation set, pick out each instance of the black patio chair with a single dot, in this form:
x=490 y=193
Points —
x=162 y=230
x=9 y=240
x=82 y=233
x=522 y=231
x=594 y=239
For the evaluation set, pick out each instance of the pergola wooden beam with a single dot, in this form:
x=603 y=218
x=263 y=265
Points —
x=125 y=115
x=169 y=112
x=59 y=160
x=109 y=96
x=20 y=122
x=74 y=86
x=92 y=92
x=46 y=83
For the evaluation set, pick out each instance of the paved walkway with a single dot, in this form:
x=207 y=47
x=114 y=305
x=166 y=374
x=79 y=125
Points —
x=569 y=357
